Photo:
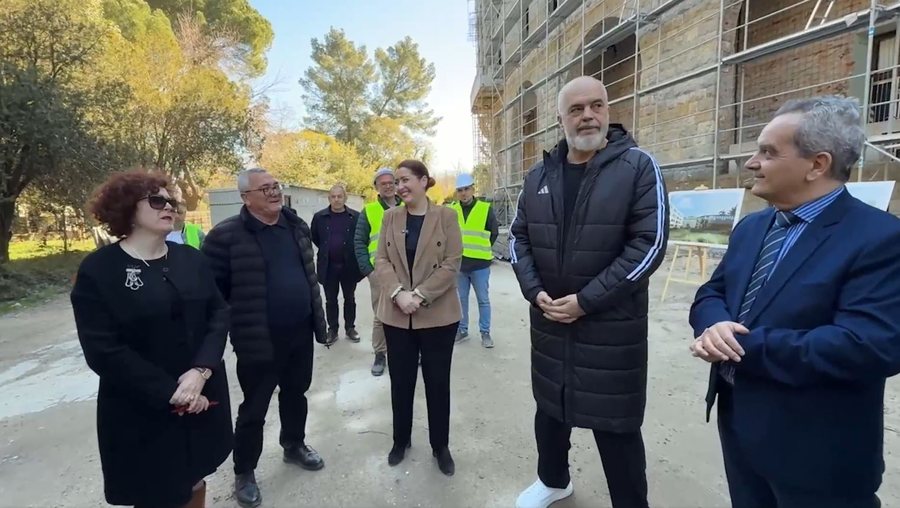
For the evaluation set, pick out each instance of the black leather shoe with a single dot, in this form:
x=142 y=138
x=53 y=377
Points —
x=246 y=491
x=445 y=461
x=352 y=335
x=304 y=456
x=380 y=363
x=332 y=335
x=398 y=453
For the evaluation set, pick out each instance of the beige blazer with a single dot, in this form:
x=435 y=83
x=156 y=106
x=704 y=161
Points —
x=438 y=255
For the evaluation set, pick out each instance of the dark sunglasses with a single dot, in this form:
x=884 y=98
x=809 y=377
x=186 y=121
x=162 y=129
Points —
x=158 y=202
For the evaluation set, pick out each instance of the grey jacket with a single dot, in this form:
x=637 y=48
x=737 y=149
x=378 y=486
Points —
x=361 y=240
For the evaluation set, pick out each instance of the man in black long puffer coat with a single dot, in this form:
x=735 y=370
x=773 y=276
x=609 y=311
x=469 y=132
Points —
x=591 y=226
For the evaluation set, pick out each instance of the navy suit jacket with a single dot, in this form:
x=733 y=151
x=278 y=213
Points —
x=824 y=335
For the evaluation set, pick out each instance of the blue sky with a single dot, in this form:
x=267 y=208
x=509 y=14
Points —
x=439 y=26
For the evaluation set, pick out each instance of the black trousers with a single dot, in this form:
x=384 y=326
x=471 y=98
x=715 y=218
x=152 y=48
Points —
x=749 y=489
x=336 y=281
x=292 y=372
x=436 y=347
x=624 y=461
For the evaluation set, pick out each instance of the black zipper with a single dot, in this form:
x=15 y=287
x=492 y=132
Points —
x=587 y=183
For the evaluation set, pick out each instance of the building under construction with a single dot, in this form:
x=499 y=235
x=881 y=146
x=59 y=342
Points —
x=693 y=80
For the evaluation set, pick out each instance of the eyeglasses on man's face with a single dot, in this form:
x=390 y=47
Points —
x=268 y=190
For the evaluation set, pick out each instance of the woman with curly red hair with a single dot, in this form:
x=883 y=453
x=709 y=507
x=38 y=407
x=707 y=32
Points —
x=152 y=325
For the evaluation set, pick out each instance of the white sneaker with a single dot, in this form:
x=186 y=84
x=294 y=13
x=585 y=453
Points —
x=542 y=496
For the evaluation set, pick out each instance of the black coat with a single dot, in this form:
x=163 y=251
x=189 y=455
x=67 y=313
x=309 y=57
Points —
x=321 y=230
x=592 y=373
x=140 y=341
x=240 y=271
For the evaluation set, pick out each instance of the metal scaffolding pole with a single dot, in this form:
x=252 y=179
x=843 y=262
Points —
x=715 y=147
x=867 y=90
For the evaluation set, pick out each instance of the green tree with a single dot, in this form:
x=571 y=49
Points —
x=251 y=32
x=337 y=87
x=315 y=160
x=186 y=118
x=53 y=101
x=385 y=143
x=380 y=107
x=404 y=83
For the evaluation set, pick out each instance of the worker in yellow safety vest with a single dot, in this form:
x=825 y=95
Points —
x=184 y=232
x=479 y=231
x=365 y=242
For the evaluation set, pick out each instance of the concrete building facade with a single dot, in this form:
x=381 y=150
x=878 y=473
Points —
x=693 y=80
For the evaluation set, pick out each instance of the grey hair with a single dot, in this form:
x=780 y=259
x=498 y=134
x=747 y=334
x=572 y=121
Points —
x=339 y=186
x=830 y=124
x=243 y=178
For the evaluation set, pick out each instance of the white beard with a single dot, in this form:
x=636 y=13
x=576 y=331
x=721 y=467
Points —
x=587 y=142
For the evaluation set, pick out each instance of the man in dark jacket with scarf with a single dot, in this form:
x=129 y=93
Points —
x=262 y=259
x=590 y=228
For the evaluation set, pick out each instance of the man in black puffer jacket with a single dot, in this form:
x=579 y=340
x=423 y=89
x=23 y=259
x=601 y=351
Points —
x=591 y=227
x=262 y=259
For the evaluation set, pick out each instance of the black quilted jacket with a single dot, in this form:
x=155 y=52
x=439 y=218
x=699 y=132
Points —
x=592 y=373
x=240 y=270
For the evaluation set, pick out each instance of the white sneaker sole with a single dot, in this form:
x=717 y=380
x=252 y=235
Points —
x=558 y=496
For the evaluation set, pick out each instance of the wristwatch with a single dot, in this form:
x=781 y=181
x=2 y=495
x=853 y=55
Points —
x=204 y=372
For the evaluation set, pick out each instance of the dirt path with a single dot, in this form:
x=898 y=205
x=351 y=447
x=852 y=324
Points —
x=48 y=449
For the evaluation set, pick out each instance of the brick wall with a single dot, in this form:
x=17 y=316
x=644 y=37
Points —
x=819 y=68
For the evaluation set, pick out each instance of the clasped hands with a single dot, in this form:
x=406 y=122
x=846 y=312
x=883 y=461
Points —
x=719 y=343
x=408 y=301
x=187 y=397
x=562 y=310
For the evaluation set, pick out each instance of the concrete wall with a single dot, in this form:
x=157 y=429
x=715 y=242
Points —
x=224 y=203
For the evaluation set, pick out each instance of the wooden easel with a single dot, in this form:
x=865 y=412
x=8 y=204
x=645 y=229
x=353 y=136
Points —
x=690 y=249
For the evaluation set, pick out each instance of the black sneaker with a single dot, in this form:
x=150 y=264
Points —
x=380 y=363
x=445 y=461
x=304 y=456
x=246 y=491
x=352 y=335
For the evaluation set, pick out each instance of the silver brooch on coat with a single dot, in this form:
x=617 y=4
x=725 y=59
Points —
x=133 y=279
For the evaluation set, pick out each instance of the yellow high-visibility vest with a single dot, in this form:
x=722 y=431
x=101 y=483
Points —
x=374 y=214
x=476 y=241
x=192 y=235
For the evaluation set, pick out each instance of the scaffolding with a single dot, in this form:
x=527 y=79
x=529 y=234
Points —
x=694 y=80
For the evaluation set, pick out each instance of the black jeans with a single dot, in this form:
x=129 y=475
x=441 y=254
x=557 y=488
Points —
x=624 y=461
x=436 y=347
x=749 y=489
x=292 y=372
x=336 y=282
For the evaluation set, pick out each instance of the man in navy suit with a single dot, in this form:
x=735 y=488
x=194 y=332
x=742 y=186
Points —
x=801 y=321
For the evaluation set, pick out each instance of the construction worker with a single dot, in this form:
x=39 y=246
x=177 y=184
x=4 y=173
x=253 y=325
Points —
x=184 y=232
x=365 y=242
x=479 y=230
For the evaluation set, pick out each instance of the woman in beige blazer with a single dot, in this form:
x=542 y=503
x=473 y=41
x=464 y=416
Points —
x=416 y=264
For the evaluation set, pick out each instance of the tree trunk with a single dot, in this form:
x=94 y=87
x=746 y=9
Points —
x=7 y=212
x=65 y=232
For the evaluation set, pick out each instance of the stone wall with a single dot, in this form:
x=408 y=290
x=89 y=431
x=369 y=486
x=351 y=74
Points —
x=677 y=122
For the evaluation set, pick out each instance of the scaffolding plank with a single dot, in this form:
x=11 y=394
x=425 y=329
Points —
x=849 y=23
x=674 y=81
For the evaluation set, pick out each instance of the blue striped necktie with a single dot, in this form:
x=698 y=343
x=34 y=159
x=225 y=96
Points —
x=765 y=264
